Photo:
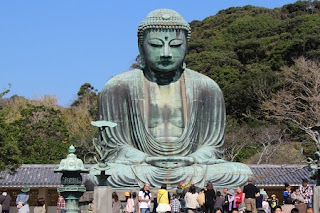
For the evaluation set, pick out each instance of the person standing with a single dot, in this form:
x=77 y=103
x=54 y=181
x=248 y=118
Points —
x=163 y=200
x=130 y=202
x=306 y=192
x=116 y=204
x=144 y=198
x=274 y=202
x=210 y=198
x=61 y=204
x=286 y=192
x=5 y=199
x=22 y=200
x=239 y=196
x=191 y=199
x=136 y=202
x=265 y=205
x=231 y=202
x=175 y=204
x=41 y=207
x=219 y=201
x=183 y=204
x=249 y=194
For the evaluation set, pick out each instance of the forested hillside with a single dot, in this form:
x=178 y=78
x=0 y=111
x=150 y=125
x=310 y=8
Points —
x=265 y=61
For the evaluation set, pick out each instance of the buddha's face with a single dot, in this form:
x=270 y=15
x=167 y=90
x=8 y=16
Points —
x=164 y=50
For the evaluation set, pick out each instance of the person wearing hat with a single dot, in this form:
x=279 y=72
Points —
x=22 y=200
x=231 y=201
x=306 y=192
x=5 y=201
x=265 y=204
x=274 y=202
x=130 y=202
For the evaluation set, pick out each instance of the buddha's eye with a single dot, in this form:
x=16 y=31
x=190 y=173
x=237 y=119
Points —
x=176 y=43
x=155 y=43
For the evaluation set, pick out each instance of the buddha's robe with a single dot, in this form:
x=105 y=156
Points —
x=191 y=147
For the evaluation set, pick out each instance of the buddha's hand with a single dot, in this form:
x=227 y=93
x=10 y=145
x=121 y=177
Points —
x=130 y=156
x=170 y=161
x=206 y=156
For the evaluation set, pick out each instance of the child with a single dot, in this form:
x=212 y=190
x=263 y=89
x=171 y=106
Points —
x=265 y=205
x=274 y=202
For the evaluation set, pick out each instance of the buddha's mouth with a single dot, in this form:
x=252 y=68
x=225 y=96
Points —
x=165 y=62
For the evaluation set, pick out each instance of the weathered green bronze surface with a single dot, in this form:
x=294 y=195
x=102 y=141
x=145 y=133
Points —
x=170 y=119
x=71 y=169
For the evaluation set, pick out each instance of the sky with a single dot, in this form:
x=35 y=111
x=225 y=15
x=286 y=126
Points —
x=52 y=47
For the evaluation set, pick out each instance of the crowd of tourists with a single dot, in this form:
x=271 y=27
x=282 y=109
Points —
x=21 y=202
x=208 y=200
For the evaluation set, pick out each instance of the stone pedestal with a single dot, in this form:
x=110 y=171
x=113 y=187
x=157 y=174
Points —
x=71 y=195
x=102 y=199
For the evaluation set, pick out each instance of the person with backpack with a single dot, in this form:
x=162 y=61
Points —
x=163 y=200
x=144 y=198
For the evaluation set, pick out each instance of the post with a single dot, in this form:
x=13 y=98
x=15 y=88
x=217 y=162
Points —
x=102 y=199
x=316 y=198
x=71 y=179
x=315 y=173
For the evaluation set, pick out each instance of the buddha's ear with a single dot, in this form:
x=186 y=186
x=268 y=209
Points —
x=142 y=63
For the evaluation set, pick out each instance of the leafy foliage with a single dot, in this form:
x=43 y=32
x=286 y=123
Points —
x=41 y=134
x=243 y=46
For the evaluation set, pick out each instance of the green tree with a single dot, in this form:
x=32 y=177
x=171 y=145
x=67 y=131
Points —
x=78 y=119
x=10 y=157
x=42 y=135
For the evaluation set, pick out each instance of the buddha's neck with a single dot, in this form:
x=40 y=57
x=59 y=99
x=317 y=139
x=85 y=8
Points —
x=162 y=78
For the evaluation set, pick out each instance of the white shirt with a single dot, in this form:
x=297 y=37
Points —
x=143 y=204
x=191 y=200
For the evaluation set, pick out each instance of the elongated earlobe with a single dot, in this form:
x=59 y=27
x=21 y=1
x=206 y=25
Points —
x=142 y=64
x=183 y=66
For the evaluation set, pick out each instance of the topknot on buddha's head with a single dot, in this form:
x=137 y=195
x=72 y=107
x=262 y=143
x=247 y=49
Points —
x=163 y=19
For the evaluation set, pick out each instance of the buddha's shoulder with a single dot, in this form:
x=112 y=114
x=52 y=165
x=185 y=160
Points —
x=200 y=78
x=124 y=78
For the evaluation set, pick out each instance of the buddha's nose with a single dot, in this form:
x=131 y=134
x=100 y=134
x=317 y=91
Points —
x=166 y=52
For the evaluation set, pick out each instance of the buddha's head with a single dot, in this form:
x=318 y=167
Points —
x=162 y=38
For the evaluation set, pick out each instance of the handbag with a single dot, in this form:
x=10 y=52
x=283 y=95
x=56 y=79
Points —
x=242 y=206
